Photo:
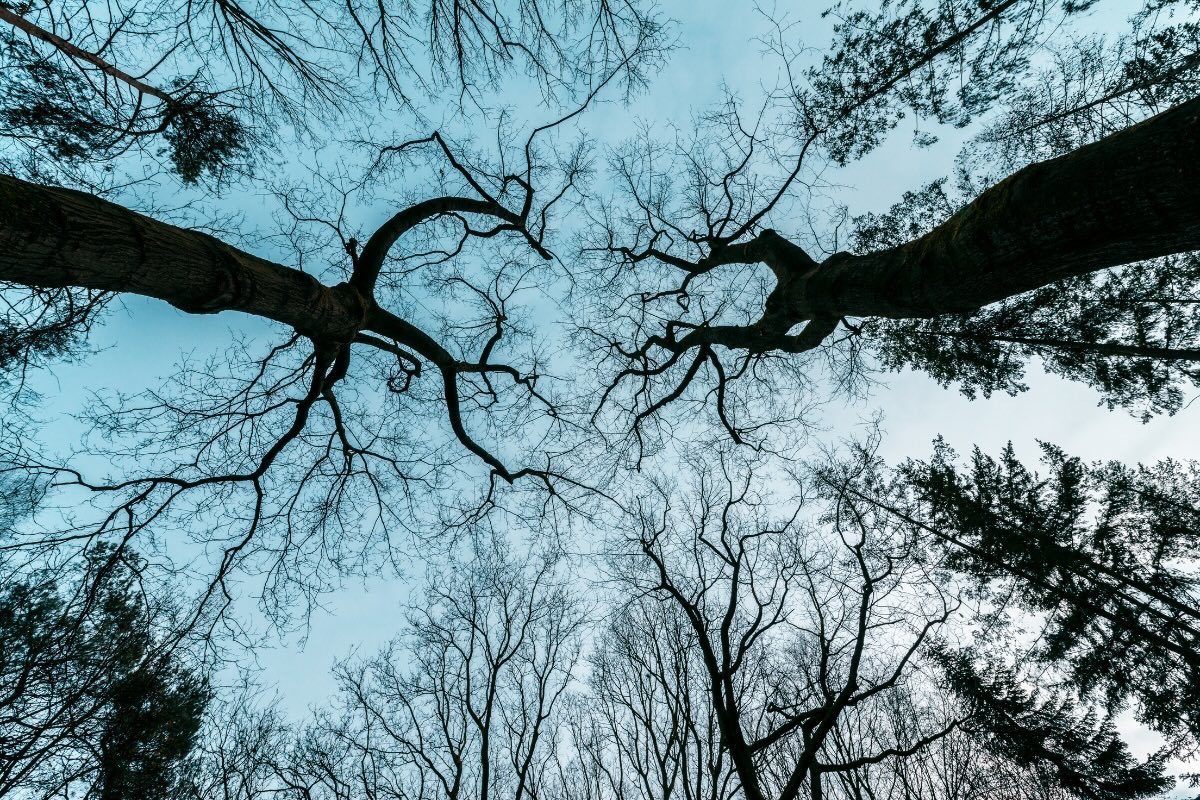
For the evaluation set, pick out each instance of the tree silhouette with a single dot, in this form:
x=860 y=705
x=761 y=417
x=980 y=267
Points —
x=211 y=80
x=733 y=654
x=91 y=700
x=530 y=317
x=1097 y=558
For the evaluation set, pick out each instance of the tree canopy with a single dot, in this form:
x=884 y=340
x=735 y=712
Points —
x=477 y=301
x=93 y=700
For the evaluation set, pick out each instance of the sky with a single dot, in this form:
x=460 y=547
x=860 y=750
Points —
x=142 y=342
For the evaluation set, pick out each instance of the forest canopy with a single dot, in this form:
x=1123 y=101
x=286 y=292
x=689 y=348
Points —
x=568 y=352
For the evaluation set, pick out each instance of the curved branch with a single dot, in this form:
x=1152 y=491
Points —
x=370 y=261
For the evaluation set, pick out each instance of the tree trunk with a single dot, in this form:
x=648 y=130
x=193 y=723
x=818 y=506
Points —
x=53 y=237
x=1131 y=196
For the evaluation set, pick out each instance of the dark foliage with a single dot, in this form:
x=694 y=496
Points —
x=1080 y=753
x=203 y=137
x=947 y=62
x=91 y=702
x=41 y=104
x=1129 y=333
x=1100 y=552
x=55 y=109
x=42 y=324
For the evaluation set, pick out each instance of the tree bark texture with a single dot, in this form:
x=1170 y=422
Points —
x=1131 y=196
x=53 y=237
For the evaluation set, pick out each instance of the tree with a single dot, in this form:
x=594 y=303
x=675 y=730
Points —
x=1001 y=244
x=366 y=416
x=705 y=209
x=209 y=81
x=56 y=240
x=733 y=652
x=240 y=749
x=1100 y=553
x=826 y=653
x=92 y=699
x=603 y=44
x=465 y=704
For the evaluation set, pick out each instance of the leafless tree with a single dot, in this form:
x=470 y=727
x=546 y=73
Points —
x=792 y=637
x=826 y=651
x=465 y=704
x=728 y=262
x=734 y=653
x=313 y=454
x=645 y=727
x=241 y=748
x=87 y=81
x=329 y=471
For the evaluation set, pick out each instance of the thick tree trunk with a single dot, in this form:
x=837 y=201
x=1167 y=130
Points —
x=52 y=237
x=1131 y=196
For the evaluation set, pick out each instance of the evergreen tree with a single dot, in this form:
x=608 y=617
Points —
x=1102 y=554
x=93 y=701
x=1078 y=752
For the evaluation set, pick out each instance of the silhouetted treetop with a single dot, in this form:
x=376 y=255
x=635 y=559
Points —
x=92 y=701
x=1099 y=557
x=450 y=319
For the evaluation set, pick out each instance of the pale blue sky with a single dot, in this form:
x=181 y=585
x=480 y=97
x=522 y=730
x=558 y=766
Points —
x=141 y=343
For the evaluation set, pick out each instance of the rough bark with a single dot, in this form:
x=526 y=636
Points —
x=1131 y=196
x=53 y=237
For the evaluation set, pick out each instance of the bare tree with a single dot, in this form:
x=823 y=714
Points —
x=240 y=750
x=824 y=659
x=361 y=472
x=669 y=306
x=759 y=592
x=463 y=705
x=310 y=455
x=87 y=81
x=645 y=728
x=833 y=652
x=724 y=242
